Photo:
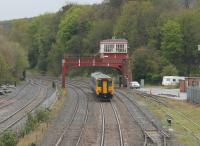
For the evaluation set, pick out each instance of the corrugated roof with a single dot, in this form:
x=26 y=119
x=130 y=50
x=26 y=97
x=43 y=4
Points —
x=99 y=75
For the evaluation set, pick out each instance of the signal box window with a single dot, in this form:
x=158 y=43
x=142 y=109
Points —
x=120 y=48
x=108 y=48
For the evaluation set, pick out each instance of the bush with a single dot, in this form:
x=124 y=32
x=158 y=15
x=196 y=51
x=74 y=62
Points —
x=9 y=139
x=42 y=115
x=31 y=123
x=22 y=133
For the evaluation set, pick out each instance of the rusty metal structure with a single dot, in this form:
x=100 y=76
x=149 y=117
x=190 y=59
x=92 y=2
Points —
x=113 y=54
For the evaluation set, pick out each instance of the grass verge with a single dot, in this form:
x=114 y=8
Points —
x=186 y=118
x=35 y=136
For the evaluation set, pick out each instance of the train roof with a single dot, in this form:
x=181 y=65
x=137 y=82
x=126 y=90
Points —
x=99 y=75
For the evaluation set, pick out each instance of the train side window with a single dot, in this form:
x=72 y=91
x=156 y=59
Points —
x=99 y=83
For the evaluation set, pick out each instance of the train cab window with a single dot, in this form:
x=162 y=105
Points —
x=110 y=83
x=99 y=83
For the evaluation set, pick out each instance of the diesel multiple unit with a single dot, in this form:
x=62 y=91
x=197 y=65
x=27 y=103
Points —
x=102 y=85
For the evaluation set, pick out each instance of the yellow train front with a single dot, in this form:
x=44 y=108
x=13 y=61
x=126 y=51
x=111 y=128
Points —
x=102 y=85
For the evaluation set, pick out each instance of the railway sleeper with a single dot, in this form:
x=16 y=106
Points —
x=154 y=136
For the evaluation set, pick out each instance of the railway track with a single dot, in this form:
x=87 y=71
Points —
x=104 y=120
x=20 y=95
x=163 y=102
x=58 y=142
x=103 y=126
x=153 y=134
x=116 y=115
x=63 y=139
x=17 y=92
x=21 y=113
x=85 y=119
x=154 y=98
x=118 y=123
x=74 y=136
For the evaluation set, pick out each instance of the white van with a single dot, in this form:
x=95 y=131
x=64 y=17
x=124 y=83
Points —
x=134 y=85
x=171 y=80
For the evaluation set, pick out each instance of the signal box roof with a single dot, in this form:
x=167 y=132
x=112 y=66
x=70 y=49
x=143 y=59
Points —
x=114 y=41
x=99 y=75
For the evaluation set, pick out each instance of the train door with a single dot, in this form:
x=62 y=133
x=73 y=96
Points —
x=105 y=87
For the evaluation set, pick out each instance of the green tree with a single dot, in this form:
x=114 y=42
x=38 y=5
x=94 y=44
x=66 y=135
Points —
x=147 y=65
x=100 y=29
x=19 y=31
x=21 y=61
x=137 y=24
x=55 y=57
x=41 y=36
x=72 y=29
x=75 y=22
x=172 y=42
x=115 y=3
x=189 y=22
x=169 y=70
x=12 y=60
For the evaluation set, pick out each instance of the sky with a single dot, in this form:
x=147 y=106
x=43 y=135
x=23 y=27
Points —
x=14 y=9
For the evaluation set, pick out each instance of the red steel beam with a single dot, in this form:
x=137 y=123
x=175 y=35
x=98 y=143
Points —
x=117 y=63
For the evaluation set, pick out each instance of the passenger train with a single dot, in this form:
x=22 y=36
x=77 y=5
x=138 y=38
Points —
x=102 y=85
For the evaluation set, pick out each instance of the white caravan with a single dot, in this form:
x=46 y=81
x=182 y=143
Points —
x=171 y=80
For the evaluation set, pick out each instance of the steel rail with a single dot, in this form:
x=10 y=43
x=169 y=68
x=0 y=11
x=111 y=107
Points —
x=163 y=134
x=15 y=95
x=17 y=91
x=103 y=125
x=118 y=123
x=103 y=119
x=132 y=116
x=10 y=116
x=157 y=99
x=58 y=142
x=101 y=109
x=10 y=103
x=144 y=130
x=85 y=118
x=24 y=108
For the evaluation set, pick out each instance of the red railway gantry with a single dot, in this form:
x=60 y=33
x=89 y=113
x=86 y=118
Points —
x=113 y=53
